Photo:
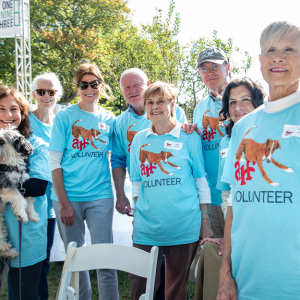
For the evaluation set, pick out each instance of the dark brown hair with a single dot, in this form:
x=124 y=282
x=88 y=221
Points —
x=24 y=127
x=257 y=96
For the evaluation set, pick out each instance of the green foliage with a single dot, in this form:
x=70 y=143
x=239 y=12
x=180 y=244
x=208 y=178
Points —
x=65 y=33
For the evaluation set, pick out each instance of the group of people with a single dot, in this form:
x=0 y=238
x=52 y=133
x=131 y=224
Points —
x=236 y=162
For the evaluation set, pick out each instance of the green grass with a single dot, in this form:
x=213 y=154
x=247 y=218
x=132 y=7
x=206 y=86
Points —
x=124 y=285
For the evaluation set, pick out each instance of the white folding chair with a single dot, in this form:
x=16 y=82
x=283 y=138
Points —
x=106 y=256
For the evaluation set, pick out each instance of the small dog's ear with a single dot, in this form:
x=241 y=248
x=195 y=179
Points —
x=23 y=146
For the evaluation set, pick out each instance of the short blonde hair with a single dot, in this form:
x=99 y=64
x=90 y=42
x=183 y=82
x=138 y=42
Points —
x=276 y=31
x=166 y=90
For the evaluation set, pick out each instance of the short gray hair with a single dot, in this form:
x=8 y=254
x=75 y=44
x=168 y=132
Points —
x=276 y=31
x=51 y=77
x=136 y=71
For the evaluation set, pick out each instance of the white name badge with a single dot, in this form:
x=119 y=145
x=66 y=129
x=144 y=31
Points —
x=290 y=131
x=172 y=145
x=224 y=152
x=103 y=126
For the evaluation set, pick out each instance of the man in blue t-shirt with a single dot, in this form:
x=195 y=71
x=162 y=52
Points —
x=132 y=83
x=213 y=68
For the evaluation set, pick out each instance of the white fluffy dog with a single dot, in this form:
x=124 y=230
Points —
x=14 y=154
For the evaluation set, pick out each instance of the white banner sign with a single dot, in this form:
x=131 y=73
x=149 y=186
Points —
x=10 y=18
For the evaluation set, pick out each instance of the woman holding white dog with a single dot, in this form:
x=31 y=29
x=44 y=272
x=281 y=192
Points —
x=46 y=91
x=14 y=115
x=81 y=136
x=169 y=188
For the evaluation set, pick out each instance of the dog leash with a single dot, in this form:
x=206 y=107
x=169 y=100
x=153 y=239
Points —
x=20 y=271
x=22 y=191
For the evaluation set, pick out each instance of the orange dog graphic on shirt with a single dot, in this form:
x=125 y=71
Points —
x=157 y=158
x=212 y=123
x=87 y=134
x=259 y=152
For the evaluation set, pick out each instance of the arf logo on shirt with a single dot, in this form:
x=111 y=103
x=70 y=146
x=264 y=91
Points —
x=224 y=152
x=152 y=158
x=103 y=126
x=212 y=123
x=290 y=131
x=258 y=153
x=172 y=145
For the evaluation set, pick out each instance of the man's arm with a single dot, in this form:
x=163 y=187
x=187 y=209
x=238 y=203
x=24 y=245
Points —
x=227 y=285
x=123 y=204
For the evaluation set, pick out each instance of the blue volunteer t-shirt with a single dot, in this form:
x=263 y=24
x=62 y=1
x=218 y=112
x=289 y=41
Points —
x=168 y=207
x=34 y=235
x=206 y=116
x=223 y=186
x=43 y=131
x=84 y=138
x=264 y=167
x=127 y=125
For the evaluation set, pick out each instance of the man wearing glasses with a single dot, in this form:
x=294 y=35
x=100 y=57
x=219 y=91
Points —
x=213 y=68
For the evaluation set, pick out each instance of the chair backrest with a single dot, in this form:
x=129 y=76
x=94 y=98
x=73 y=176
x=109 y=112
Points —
x=108 y=256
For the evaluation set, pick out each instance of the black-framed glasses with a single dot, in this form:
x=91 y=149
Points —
x=42 y=92
x=83 y=85
x=214 y=68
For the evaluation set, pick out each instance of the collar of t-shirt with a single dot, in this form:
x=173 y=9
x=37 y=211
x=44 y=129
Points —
x=283 y=103
x=175 y=131
x=215 y=99
x=131 y=110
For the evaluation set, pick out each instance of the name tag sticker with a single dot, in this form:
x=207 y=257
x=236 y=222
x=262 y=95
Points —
x=103 y=126
x=224 y=152
x=172 y=145
x=290 y=131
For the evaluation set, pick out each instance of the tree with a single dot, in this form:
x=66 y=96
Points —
x=65 y=33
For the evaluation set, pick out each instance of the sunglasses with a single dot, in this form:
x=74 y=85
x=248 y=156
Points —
x=83 y=85
x=42 y=92
x=214 y=68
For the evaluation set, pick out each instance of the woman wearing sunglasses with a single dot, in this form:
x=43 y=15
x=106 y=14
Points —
x=46 y=92
x=81 y=136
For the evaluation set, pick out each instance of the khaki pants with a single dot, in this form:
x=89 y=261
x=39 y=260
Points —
x=207 y=279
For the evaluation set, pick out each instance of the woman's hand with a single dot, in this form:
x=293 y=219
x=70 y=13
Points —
x=206 y=230
x=217 y=241
x=67 y=214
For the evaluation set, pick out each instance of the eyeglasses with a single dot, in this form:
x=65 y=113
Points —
x=83 y=85
x=42 y=92
x=214 y=68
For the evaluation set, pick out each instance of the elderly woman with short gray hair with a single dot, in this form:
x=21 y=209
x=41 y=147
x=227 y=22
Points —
x=46 y=91
x=261 y=256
